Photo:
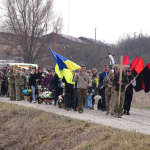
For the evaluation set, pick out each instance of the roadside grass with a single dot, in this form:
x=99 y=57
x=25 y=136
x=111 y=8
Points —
x=141 y=107
x=24 y=128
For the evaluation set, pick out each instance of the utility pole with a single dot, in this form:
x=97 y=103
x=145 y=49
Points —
x=95 y=35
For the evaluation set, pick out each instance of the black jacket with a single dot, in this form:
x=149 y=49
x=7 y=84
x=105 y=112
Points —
x=39 y=77
x=54 y=85
x=125 y=81
x=68 y=87
x=130 y=87
x=32 y=80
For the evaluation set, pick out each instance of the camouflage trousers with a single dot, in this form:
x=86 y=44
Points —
x=82 y=94
x=109 y=102
x=12 y=92
x=118 y=109
x=19 y=91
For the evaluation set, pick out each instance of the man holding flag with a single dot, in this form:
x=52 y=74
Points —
x=83 y=82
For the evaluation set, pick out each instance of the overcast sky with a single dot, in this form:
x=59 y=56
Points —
x=112 y=18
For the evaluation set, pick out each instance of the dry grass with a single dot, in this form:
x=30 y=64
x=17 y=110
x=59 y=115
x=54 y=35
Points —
x=24 y=128
x=141 y=100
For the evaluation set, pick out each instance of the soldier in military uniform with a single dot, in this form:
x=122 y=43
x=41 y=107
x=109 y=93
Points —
x=10 y=75
x=29 y=71
x=19 y=84
x=109 y=91
x=118 y=109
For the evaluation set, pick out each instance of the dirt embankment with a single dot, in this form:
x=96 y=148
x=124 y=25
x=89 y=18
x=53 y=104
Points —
x=27 y=129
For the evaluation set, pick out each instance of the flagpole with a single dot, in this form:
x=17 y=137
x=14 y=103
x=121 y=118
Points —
x=130 y=82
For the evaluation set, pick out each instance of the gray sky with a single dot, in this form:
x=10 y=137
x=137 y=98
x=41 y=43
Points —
x=112 y=18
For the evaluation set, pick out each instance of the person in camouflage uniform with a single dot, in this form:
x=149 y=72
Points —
x=109 y=91
x=119 y=108
x=10 y=75
x=19 y=84
x=29 y=71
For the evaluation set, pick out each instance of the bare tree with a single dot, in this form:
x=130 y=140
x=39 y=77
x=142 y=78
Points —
x=27 y=21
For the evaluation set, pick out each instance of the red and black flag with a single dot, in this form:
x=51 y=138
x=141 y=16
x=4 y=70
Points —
x=145 y=76
x=136 y=71
x=134 y=62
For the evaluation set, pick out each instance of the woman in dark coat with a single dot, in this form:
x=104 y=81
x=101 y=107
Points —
x=56 y=84
x=39 y=76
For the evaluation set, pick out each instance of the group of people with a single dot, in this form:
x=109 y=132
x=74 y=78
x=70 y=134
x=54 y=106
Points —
x=108 y=88
x=15 y=81
x=78 y=96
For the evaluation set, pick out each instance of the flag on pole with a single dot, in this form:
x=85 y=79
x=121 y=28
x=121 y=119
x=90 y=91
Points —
x=136 y=71
x=126 y=60
x=64 y=67
x=145 y=76
x=134 y=62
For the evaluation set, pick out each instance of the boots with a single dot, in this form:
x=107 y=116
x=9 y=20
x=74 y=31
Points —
x=128 y=113
x=80 y=110
x=107 y=113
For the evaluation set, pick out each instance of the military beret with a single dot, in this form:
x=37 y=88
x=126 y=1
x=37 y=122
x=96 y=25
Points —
x=30 y=65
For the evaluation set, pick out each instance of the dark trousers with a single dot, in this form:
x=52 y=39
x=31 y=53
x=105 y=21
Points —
x=93 y=100
x=4 y=88
x=103 y=99
x=127 y=102
x=68 y=99
x=75 y=98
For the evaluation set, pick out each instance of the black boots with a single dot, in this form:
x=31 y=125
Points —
x=128 y=113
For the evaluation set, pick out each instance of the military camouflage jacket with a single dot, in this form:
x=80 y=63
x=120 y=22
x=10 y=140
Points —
x=19 y=78
x=125 y=81
x=1 y=75
x=28 y=73
x=109 y=86
x=11 y=77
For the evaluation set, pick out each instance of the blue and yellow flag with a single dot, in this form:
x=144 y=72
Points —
x=64 y=67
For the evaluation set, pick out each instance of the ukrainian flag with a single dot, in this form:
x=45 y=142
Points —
x=64 y=67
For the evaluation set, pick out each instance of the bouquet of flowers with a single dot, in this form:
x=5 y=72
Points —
x=44 y=74
x=61 y=99
x=52 y=95
x=97 y=97
x=45 y=95
x=95 y=82
x=39 y=87
x=45 y=89
x=27 y=92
